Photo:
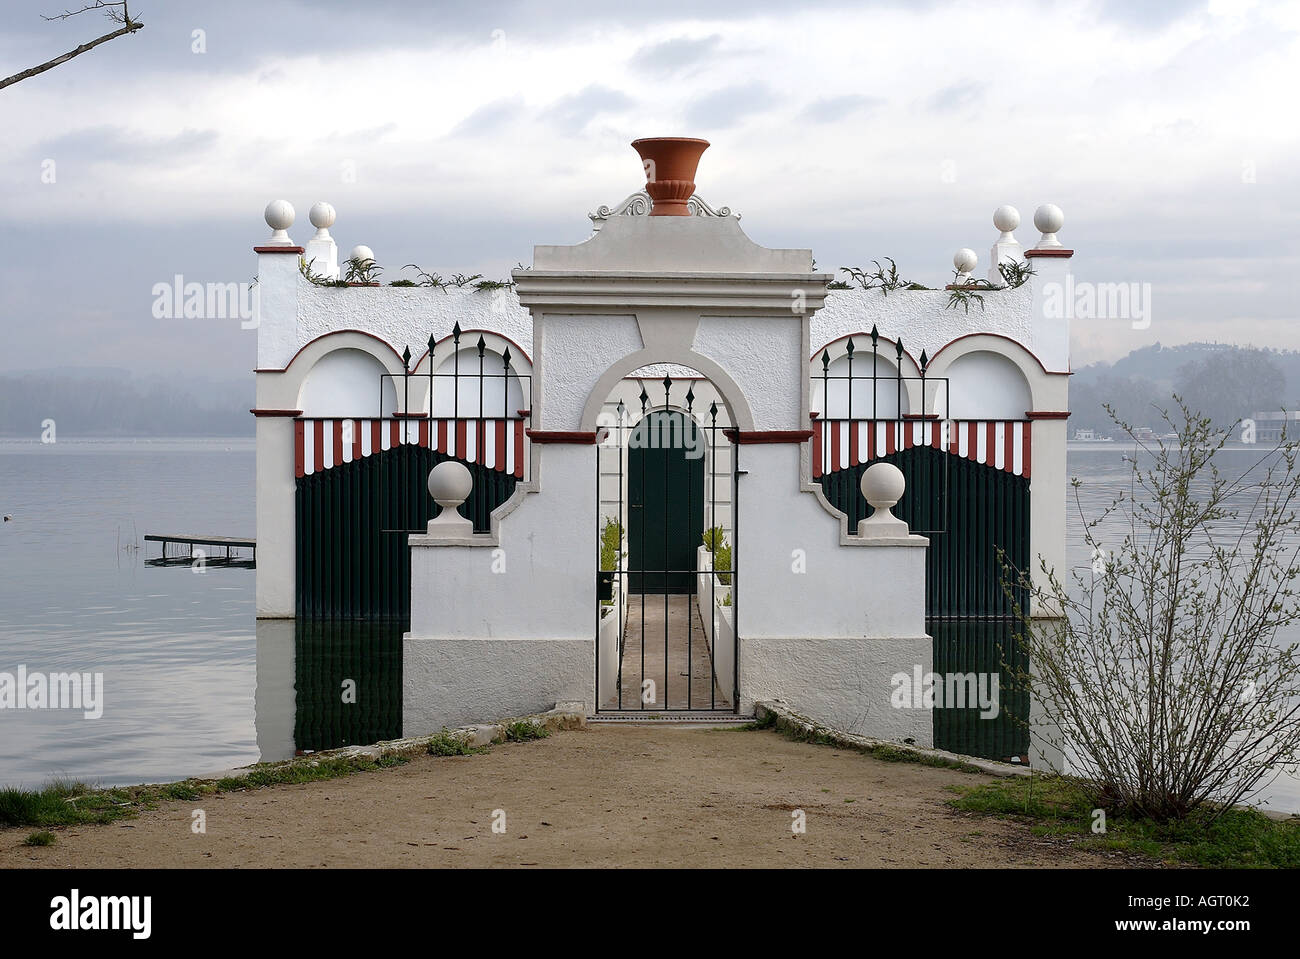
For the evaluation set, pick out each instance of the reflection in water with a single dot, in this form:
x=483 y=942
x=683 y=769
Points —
x=325 y=684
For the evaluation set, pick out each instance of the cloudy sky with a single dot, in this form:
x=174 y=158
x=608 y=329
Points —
x=457 y=135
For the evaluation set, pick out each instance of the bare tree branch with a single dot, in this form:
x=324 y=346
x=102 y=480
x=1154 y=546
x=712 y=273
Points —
x=123 y=17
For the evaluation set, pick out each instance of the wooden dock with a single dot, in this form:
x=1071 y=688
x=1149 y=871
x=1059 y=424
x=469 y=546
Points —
x=214 y=542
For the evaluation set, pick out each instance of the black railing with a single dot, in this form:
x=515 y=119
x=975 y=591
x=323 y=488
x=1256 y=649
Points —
x=875 y=378
x=482 y=375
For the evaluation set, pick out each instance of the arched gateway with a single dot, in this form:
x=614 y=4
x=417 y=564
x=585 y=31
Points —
x=665 y=428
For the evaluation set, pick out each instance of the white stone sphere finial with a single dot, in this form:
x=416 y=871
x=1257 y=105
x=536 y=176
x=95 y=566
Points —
x=1048 y=219
x=1006 y=219
x=882 y=487
x=965 y=260
x=450 y=484
x=322 y=218
x=362 y=254
x=279 y=216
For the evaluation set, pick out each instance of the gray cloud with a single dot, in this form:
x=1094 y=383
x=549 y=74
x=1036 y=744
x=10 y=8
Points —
x=956 y=97
x=675 y=55
x=491 y=117
x=1148 y=14
x=724 y=108
x=115 y=144
x=830 y=109
x=574 y=112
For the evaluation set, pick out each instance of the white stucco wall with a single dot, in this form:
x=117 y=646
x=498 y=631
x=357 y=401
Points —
x=822 y=625
x=509 y=626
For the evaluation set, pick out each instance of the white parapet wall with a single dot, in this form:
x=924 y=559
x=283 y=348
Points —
x=826 y=622
x=504 y=623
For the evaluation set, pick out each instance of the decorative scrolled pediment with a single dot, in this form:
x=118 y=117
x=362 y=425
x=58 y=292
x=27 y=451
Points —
x=639 y=203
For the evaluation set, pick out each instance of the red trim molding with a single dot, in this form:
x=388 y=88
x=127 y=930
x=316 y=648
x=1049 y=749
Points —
x=280 y=249
x=410 y=416
x=745 y=437
x=579 y=437
x=1048 y=414
x=276 y=412
x=920 y=416
x=1050 y=251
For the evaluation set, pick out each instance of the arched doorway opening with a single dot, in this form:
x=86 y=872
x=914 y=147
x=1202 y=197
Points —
x=666 y=613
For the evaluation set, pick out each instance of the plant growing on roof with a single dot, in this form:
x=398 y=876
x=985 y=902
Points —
x=881 y=278
x=305 y=268
x=1016 y=273
x=964 y=294
x=361 y=271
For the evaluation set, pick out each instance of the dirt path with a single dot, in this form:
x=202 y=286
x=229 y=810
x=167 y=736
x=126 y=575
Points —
x=603 y=796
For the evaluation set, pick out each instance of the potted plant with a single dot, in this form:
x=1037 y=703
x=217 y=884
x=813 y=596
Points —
x=720 y=561
x=611 y=555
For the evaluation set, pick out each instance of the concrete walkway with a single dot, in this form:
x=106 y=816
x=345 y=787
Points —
x=666 y=628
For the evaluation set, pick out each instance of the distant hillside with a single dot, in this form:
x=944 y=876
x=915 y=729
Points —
x=1223 y=382
x=110 y=402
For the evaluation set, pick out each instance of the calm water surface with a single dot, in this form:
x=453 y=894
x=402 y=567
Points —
x=192 y=684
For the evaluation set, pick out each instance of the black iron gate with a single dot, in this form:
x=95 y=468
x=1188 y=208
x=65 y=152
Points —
x=666 y=608
x=974 y=513
x=361 y=486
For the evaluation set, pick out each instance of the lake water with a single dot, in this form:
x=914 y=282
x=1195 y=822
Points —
x=193 y=684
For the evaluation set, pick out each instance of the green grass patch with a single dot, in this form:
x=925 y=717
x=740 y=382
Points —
x=63 y=803
x=521 y=731
x=1061 y=806
x=43 y=838
x=447 y=744
x=66 y=803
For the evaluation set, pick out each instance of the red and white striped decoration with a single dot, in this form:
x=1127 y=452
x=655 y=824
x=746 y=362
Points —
x=322 y=443
x=841 y=444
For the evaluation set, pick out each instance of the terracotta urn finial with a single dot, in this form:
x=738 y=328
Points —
x=670 y=164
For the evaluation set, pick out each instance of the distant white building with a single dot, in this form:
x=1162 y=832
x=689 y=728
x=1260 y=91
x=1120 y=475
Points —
x=1270 y=424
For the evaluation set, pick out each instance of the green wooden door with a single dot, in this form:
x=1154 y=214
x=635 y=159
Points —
x=665 y=482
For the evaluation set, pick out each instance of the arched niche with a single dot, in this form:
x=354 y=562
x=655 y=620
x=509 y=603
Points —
x=459 y=390
x=984 y=385
x=347 y=382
